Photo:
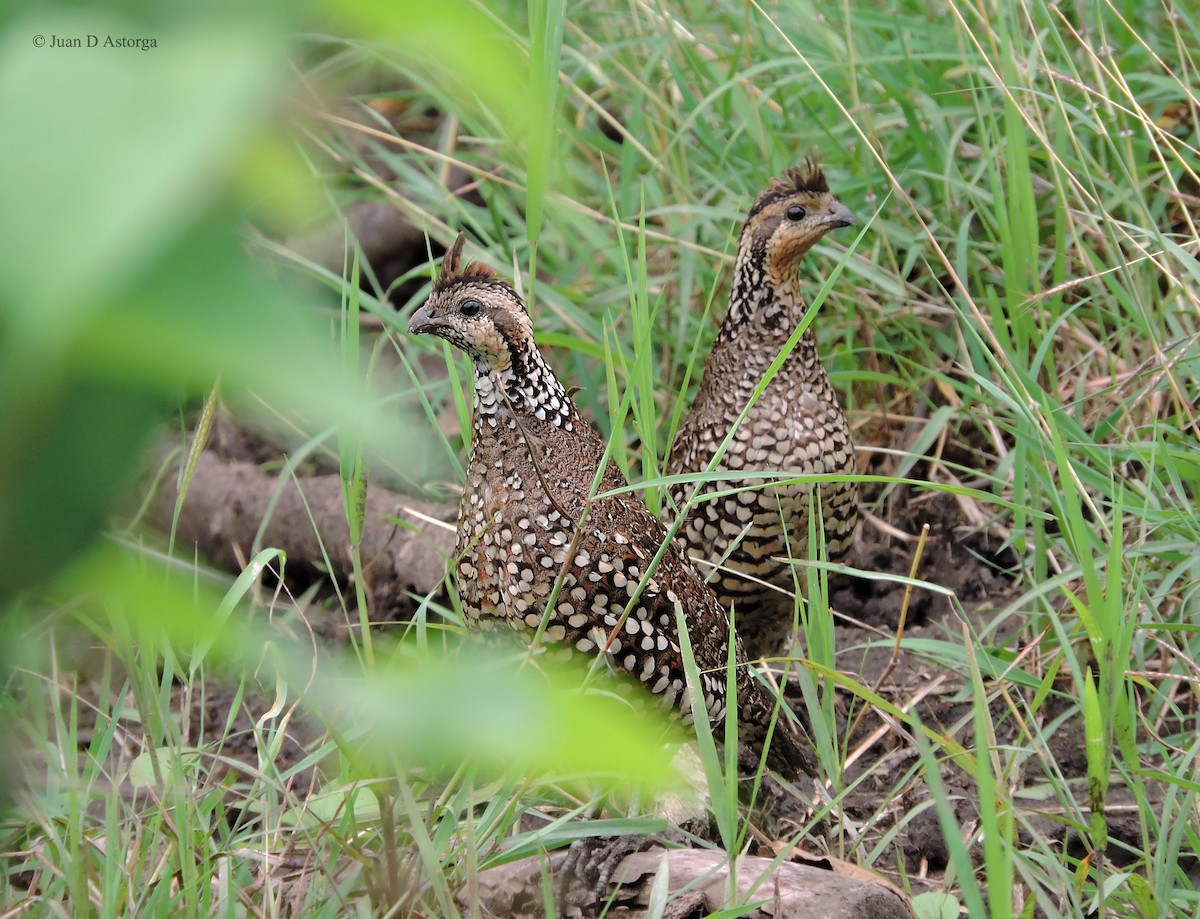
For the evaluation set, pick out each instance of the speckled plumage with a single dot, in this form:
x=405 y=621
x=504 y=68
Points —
x=526 y=517
x=796 y=424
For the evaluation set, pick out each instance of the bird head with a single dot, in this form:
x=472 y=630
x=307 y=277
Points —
x=475 y=310
x=792 y=214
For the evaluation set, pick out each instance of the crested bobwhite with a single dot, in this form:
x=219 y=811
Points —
x=743 y=541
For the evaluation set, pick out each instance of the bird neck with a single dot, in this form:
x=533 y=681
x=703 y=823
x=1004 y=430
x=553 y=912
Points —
x=765 y=299
x=521 y=388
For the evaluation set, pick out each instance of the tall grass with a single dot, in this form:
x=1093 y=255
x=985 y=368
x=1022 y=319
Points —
x=1017 y=324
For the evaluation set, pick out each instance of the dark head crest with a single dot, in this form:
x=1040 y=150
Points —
x=453 y=269
x=808 y=177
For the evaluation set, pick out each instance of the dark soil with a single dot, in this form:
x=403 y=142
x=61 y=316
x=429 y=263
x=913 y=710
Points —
x=979 y=571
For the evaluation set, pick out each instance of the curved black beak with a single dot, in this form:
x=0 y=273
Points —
x=421 y=320
x=839 y=216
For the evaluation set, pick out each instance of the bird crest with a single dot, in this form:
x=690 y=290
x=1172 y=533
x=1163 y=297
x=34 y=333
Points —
x=453 y=269
x=808 y=177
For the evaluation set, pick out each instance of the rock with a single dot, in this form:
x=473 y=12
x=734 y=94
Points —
x=785 y=891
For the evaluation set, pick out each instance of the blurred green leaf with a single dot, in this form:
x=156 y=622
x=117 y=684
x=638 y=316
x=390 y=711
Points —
x=935 y=905
x=330 y=805
x=152 y=769
x=480 y=706
x=483 y=708
x=471 y=56
x=70 y=443
x=117 y=152
x=124 y=287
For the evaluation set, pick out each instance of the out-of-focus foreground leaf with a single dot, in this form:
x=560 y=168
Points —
x=479 y=707
x=123 y=286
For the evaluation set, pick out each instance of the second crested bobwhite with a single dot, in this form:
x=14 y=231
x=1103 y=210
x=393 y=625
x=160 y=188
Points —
x=527 y=515
x=744 y=540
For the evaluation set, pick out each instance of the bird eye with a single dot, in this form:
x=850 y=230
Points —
x=470 y=307
x=796 y=212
